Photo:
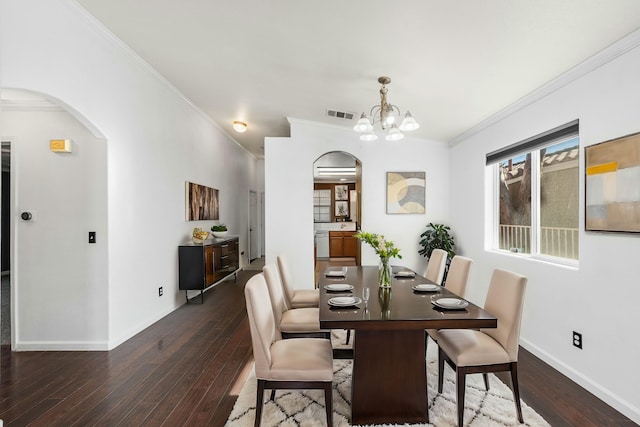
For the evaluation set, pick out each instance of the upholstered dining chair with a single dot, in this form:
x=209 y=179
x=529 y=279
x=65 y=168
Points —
x=296 y=322
x=297 y=363
x=457 y=281
x=436 y=266
x=487 y=350
x=296 y=298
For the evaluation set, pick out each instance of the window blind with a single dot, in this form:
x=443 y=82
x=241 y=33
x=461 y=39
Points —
x=546 y=138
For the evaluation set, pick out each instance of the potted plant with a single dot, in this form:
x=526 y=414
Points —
x=219 y=230
x=437 y=237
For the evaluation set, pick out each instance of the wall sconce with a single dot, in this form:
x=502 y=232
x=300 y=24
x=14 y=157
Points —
x=60 y=145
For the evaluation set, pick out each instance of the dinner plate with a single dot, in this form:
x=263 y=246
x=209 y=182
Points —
x=426 y=287
x=336 y=273
x=408 y=274
x=344 y=301
x=451 y=303
x=338 y=287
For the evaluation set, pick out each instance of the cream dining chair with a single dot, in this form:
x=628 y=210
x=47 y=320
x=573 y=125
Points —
x=436 y=266
x=297 y=363
x=291 y=321
x=487 y=350
x=457 y=281
x=296 y=298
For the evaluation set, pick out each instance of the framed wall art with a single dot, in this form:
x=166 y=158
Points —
x=202 y=202
x=612 y=185
x=406 y=192
x=341 y=192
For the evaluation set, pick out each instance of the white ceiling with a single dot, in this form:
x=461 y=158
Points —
x=452 y=63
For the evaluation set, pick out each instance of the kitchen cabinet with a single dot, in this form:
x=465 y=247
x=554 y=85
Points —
x=343 y=244
x=203 y=264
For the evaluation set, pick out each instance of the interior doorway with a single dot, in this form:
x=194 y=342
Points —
x=254 y=247
x=337 y=213
x=5 y=246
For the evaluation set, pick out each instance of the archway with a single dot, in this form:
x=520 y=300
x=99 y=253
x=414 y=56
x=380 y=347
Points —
x=337 y=213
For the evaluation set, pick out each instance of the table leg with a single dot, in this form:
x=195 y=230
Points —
x=389 y=381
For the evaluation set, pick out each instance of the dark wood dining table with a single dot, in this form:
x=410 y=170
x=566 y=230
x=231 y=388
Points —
x=389 y=379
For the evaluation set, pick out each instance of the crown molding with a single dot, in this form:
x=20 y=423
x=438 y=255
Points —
x=608 y=54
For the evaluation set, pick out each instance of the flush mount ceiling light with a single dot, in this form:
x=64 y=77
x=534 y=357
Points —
x=327 y=170
x=387 y=115
x=239 y=126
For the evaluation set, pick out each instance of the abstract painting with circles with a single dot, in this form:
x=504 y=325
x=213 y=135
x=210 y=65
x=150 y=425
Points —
x=405 y=192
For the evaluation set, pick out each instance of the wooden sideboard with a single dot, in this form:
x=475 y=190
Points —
x=203 y=264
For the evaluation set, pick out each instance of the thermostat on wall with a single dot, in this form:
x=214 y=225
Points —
x=60 y=145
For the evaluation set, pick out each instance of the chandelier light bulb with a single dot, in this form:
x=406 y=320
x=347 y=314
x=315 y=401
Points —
x=368 y=136
x=394 y=134
x=409 y=123
x=363 y=124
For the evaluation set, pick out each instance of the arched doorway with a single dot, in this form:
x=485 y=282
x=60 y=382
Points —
x=337 y=214
x=58 y=278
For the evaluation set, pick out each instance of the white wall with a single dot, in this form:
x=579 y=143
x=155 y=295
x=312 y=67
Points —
x=289 y=192
x=156 y=141
x=60 y=275
x=600 y=297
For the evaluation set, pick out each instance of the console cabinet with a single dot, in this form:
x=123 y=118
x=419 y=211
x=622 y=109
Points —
x=203 y=264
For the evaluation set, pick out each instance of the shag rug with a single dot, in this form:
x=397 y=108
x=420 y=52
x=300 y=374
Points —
x=305 y=408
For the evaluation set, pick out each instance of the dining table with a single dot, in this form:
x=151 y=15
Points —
x=389 y=378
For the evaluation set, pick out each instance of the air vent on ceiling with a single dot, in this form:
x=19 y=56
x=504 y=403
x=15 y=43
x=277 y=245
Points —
x=340 y=114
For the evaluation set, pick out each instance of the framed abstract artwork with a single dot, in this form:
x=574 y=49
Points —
x=406 y=192
x=612 y=185
x=202 y=202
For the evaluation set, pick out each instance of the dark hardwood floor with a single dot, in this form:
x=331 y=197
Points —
x=188 y=368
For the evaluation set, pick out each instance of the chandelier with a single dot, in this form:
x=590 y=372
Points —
x=387 y=115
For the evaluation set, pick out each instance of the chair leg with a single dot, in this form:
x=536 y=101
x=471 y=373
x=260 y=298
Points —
x=273 y=394
x=440 y=370
x=516 y=391
x=485 y=376
x=460 y=385
x=328 y=403
x=259 y=401
x=348 y=337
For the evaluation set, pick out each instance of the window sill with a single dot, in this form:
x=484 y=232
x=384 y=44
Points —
x=547 y=259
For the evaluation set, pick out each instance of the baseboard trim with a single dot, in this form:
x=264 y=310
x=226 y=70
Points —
x=61 y=346
x=141 y=327
x=587 y=383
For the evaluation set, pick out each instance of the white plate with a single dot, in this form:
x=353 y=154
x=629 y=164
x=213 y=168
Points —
x=409 y=274
x=336 y=273
x=426 y=287
x=344 y=301
x=338 y=287
x=454 y=303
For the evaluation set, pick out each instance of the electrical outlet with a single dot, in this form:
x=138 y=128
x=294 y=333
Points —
x=577 y=339
x=160 y=291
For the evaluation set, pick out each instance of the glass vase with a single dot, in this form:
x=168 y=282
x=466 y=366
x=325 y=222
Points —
x=384 y=273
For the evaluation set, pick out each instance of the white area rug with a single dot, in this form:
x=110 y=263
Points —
x=305 y=408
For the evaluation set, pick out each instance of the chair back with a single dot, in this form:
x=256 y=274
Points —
x=436 y=266
x=285 y=277
x=458 y=276
x=505 y=300
x=275 y=291
x=264 y=329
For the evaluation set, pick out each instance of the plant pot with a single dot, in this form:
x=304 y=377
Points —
x=219 y=233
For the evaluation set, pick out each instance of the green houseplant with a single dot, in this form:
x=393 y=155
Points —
x=219 y=230
x=437 y=237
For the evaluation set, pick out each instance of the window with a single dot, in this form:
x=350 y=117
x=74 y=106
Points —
x=322 y=205
x=538 y=194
